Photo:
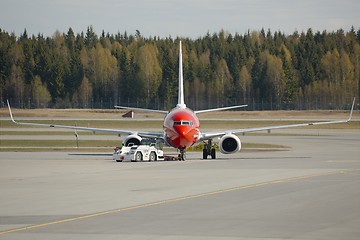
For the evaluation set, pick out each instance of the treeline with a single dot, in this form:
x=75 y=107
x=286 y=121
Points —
x=266 y=70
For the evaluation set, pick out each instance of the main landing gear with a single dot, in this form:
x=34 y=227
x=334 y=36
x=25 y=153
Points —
x=209 y=150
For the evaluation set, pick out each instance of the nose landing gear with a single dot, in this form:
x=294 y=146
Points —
x=182 y=155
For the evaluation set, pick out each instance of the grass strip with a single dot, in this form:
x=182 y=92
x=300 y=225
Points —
x=200 y=147
x=58 y=143
x=50 y=133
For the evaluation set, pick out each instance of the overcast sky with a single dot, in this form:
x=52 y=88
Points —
x=183 y=18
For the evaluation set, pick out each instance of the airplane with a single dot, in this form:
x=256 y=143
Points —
x=181 y=127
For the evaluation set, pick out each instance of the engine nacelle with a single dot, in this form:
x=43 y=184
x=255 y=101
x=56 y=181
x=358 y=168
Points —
x=230 y=143
x=134 y=139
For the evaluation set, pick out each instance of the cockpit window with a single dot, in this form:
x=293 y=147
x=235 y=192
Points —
x=183 y=123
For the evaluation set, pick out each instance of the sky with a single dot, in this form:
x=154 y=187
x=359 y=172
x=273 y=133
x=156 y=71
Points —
x=177 y=18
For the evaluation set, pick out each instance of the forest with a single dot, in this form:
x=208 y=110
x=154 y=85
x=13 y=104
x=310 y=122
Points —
x=264 y=69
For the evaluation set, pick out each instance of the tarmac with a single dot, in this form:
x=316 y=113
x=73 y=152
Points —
x=310 y=190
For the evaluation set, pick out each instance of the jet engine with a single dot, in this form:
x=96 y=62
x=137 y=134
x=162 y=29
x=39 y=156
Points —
x=134 y=139
x=230 y=143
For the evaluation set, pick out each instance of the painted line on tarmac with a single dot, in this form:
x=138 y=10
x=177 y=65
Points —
x=342 y=171
x=343 y=161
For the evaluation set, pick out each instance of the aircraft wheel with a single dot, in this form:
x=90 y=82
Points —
x=213 y=153
x=138 y=156
x=152 y=156
x=205 y=153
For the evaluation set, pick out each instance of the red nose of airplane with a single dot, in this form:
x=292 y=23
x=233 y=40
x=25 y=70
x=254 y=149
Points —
x=186 y=132
x=182 y=130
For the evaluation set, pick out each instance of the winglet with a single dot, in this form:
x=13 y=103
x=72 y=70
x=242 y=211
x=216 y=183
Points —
x=11 y=116
x=181 y=102
x=352 y=109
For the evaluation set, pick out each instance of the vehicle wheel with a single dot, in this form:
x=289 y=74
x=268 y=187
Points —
x=152 y=156
x=213 y=153
x=138 y=156
x=118 y=160
x=205 y=153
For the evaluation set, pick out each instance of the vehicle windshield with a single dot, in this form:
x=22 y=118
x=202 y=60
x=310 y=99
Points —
x=152 y=142
x=146 y=141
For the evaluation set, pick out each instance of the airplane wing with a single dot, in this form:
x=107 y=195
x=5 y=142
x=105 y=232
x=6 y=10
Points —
x=108 y=130
x=210 y=135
